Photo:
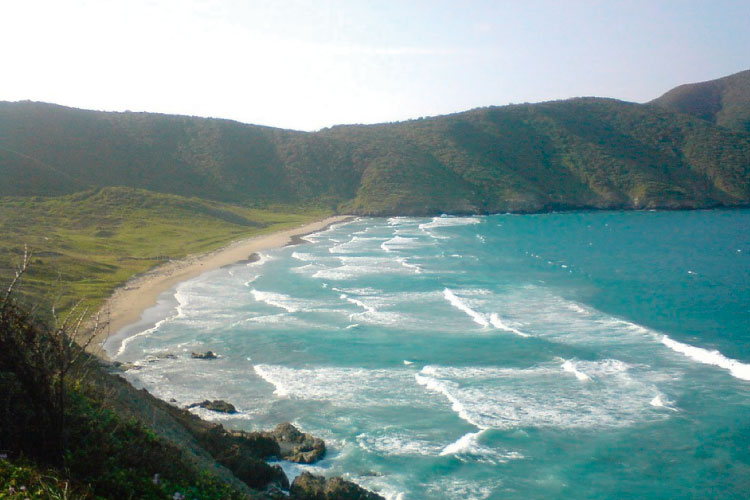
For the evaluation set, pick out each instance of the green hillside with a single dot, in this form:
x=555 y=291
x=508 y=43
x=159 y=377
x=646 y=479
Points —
x=85 y=244
x=724 y=101
x=578 y=153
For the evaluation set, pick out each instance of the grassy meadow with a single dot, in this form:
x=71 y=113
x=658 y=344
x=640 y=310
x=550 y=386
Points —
x=86 y=244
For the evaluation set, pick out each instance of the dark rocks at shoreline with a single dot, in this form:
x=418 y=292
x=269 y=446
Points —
x=297 y=446
x=311 y=487
x=216 y=405
x=128 y=366
x=297 y=239
x=203 y=355
x=243 y=453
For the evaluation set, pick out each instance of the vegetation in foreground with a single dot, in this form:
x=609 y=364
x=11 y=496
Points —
x=60 y=437
x=69 y=429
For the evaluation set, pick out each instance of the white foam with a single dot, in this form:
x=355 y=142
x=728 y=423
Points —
x=463 y=444
x=400 y=444
x=293 y=469
x=183 y=298
x=358 y=303
x=265 y=319
x=399 y=243
x=358 y=266
x=398 y=221
x=304 y=257
x=570 y=367
x=279 y=300
x=468 y=447
x=370 y=314
x=356 y=244
x=263 y=372
x=505 y=398
x=658 y=402
x=407 y=265
x=126 y=341
x=499 y=324
x=577 y=308
x=342 y=386
x=459 y=304
x=407 y=362
x=304 y=269
x=382 y=486
x=358 y=291
x=262 y=259
x=446 y=221
x=444 y=388
x=248 y=282
x=463 y=489
x=736 y=368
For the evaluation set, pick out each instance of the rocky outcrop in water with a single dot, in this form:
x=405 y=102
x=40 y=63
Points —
x=310 y=487
x=203 y=355
x=297 y=446
x=217 y=405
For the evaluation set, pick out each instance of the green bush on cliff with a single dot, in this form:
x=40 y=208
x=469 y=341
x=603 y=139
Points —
x=59 y=439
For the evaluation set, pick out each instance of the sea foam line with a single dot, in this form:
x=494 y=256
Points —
x=736 y=368
x=399 y=243
x=407 y=265
x=279 y=389
x=442 y=388
x=498 y=323
x=358 y=303
x=468 y=445
x=448 y=222
x=461 y=305
x=148 y=331
x=275 y=299
x=570 y=367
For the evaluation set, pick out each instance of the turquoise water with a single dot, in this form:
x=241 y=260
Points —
x=577 y=355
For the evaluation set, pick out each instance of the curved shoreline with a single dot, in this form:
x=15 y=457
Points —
x=129 y=301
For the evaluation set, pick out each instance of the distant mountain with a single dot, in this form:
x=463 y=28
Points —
x=577 y=153
x=725 y=101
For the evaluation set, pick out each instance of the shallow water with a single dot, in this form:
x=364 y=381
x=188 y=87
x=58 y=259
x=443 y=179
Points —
x=578 y=355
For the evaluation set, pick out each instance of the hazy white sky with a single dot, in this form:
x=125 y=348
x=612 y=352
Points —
x=311 y=64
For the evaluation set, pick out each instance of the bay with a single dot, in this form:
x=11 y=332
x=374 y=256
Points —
x=577 y=355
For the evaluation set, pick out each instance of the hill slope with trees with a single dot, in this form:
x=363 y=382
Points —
x=724 y=101
x=577 y=153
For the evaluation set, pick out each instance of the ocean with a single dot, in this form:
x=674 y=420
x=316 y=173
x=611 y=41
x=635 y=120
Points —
x=564 y=355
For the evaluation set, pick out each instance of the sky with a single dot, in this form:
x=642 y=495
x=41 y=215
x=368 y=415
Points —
x=307 y=65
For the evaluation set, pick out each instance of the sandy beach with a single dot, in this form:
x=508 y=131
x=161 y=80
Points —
x=128 y=302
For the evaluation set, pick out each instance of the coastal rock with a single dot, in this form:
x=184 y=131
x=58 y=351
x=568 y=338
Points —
x=217 y=405
x=203 y=355
x=310 y=487
x=243 y=453
x=297 y=446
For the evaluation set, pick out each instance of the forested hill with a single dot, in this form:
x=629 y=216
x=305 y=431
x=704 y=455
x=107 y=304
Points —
x=724 y=101
x=577 y=153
